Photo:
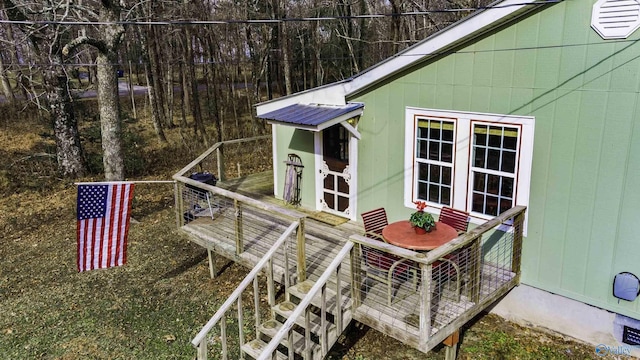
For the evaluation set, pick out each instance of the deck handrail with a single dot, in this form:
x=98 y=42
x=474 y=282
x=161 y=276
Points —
x=468 y=237
x=200 y=338
x=242 y=198
x=215 y=147
x=306 y=302
x=441 y=251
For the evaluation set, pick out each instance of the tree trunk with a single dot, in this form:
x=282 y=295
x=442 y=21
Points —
x=110 y=125
x=153 y=104
x=6 y=87
x=286 y=58
x=156 y=78
x=71 y=161
x=20 y=79
x=192 y=83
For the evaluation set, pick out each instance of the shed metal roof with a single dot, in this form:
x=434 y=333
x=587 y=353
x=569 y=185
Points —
x=313 y=117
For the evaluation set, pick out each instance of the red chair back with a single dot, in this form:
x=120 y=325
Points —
x=457 y=219
x=375 y=220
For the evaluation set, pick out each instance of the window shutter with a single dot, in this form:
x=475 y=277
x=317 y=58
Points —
x=615 y=19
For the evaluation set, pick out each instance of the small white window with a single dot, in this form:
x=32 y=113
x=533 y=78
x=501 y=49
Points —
x=434 y=160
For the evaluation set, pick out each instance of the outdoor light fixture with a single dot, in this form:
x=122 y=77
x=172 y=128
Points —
x=626 y=286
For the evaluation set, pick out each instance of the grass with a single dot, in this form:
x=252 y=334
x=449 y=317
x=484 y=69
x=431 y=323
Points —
x=154 y=305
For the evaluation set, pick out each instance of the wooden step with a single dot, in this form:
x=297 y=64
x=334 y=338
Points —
x=286 y=309
x=300 y=290
x=254 y=349
x=270 y=328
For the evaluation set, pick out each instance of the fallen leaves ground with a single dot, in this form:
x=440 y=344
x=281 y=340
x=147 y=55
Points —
x=153 y=306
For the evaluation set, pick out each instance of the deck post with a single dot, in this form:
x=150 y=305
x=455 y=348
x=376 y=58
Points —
x=425 y=303
x=178 y=203
x=355 y=275
x=451 y=343
x=202 y=350
x=476 y=268
x=239 y=232
x=220 y=164
x=212 y=263
x=302 y=262
x=516 y=254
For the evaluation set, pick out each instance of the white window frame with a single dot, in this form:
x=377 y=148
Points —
x=429 y=162
x=463 y=138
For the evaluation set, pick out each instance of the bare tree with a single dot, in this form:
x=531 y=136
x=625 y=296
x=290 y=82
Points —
x=46 y=44
x=107 y=41
x=4 y=80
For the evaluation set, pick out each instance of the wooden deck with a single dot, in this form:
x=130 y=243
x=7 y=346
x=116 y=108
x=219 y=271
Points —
x=261 y=229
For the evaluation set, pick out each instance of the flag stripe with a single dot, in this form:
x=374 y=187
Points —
x=103 y=224
x=122 y=248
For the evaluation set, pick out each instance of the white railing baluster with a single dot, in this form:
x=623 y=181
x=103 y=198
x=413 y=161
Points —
x=338 y=298
x=323 y=319
x=271 y=292
x=202 y=350
x=223 y=336
x=256 y=303
x=241 y=326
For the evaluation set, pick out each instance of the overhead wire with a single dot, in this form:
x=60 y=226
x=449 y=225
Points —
x=413 y=55
x=271 y=21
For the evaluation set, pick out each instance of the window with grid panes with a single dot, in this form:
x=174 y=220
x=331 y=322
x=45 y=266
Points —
x=434 y=160
x=476 y=162
x=494 y=158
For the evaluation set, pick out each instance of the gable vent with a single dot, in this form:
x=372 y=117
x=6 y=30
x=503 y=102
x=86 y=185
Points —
x=615 y=19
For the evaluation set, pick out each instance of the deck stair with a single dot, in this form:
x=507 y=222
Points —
x=284 y=310
x=310 y=320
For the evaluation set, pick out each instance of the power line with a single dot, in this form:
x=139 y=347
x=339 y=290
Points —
x=270 y=21
x=337 y=58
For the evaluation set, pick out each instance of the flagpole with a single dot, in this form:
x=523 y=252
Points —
x=128 y=182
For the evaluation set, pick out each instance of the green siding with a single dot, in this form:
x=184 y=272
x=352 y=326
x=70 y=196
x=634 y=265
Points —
x=299 y=142
x=583 y=92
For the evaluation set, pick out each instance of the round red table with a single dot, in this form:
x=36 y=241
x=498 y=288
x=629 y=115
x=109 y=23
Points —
x=401 y=234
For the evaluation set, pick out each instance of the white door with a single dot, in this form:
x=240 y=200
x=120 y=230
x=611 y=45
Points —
x=336 y=180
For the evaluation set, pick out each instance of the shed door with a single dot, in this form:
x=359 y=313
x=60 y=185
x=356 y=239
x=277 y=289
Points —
x=334 y=174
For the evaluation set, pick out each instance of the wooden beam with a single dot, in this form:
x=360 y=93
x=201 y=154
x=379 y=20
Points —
x=453 y=339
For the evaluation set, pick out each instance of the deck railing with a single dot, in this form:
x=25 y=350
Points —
x=422 y=298
x=195 y=199
x=333 y=271
x=221 y=316
x=234 y=158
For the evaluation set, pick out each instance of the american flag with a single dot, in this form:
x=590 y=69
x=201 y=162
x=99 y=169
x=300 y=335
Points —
x=103 y=224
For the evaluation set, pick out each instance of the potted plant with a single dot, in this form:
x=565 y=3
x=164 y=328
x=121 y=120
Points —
x=421 y=221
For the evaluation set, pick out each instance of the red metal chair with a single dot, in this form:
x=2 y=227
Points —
x=457 y=219
x=374 y=221
x=383 y=267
